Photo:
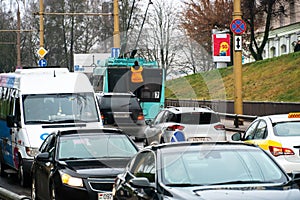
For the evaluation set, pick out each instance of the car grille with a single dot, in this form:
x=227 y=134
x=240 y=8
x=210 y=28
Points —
x=99 y=185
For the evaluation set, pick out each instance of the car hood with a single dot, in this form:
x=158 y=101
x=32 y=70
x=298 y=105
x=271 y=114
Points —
x=98 y=166
x=236 y=193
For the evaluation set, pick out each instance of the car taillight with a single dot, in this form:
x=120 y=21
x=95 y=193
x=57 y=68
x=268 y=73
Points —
x=219 y=127
x=140 y=117
x=279 y=151
x=175 y=127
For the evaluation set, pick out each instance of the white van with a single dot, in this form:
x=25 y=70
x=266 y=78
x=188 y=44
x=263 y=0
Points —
x=35 y=102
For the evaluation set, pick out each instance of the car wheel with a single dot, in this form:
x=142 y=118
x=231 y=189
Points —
x=162 y=140
x=33 y=190
x=22 y=176
x=2 y=165
x=52 y=192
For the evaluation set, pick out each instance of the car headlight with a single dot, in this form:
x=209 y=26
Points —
x=70 y=180
x=32 y=151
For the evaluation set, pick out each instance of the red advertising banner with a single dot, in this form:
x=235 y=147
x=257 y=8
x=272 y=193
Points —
x=221 y=47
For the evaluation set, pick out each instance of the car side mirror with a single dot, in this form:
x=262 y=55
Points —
x=43 y=157
x=11 y=121
x=140 y=182
x=236 y=136
x=148 y=122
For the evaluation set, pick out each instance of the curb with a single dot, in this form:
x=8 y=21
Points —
x=8 y=195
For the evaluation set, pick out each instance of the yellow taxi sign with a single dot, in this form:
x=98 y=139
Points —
x=294 y=115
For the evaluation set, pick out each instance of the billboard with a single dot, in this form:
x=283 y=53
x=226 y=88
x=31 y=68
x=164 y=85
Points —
x=221 y=47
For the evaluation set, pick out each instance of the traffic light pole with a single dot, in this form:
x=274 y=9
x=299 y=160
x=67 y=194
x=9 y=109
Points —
x=237 y=62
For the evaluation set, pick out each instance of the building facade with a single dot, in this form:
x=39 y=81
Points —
x=284 y=32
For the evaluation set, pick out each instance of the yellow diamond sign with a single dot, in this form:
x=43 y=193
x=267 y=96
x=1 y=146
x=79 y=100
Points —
x=42 y=52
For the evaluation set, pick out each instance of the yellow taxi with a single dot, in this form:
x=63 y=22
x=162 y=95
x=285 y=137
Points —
x=277 y=134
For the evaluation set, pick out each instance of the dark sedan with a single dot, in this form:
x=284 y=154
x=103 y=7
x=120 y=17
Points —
x=80 y=164
x=204 y=170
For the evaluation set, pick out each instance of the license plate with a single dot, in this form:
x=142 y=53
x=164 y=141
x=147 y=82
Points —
x=121 y=115
x=105 y=196
x=199 y=139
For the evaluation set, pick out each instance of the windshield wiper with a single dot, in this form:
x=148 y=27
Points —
x=182 y=185
x=38 y=122
x=240 y=182
x=68 y=121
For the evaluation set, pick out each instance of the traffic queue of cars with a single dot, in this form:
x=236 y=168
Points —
x=189 y=158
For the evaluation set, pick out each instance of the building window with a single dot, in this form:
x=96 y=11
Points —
x=272 y=52
x=283 y=49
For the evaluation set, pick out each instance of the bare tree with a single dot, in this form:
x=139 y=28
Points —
x=258 y=15
x=159 y=39
x=201 y=16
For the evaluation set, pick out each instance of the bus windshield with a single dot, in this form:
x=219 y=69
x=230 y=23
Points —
x=55 y=108
x=150 y=90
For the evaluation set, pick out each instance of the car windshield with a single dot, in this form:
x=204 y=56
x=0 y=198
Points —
x=93 y=146
x=196 y=165
x=195 y=118
x=49 y=108
x=287 y=129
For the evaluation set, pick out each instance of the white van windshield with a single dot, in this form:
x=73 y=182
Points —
x=56 y=108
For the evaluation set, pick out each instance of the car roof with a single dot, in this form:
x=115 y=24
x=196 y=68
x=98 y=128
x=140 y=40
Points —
x=89 y=131
x=178 y=110
x=279 y=118
x=115 y=94
x=215 y=144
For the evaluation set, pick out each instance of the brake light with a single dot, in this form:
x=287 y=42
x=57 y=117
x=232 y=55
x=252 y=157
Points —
x=219 y=127
x=279 y=151
x=175 y=127
x=102 y=117
x=140 y=117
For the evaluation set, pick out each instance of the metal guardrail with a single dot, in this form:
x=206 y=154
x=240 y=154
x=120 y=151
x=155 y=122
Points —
x=8 y=195
x=238 y=119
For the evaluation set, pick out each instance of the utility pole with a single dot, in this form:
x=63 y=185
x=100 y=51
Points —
x=18 y=38
x=116 y=25
x=41 y=13
x=237 y=62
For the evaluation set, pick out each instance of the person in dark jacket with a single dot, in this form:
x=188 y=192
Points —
x=297 y=46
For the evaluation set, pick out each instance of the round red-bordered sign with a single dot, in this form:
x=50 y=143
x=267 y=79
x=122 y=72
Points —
x=238 y=26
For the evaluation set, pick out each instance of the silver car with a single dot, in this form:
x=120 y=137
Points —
x=185 y=124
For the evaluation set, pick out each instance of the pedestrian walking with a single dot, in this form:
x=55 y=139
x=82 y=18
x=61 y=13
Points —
x=297 y=46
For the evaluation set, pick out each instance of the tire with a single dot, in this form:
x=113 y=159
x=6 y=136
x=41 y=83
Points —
x=33 y=190
x=52 y=192
x=24 y=178
x=3 y=166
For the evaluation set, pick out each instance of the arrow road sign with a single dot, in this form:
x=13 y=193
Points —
x=238 y=43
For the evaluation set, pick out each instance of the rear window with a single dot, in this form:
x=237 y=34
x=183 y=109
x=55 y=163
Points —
x=194 y=118
x=287 y=129
x=119 y=103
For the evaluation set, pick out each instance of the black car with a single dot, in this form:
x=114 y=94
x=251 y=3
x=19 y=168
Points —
x=80 y=164
x=122 y=110
x=204 y=170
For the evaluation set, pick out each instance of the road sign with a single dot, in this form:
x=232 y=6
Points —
x=238 y=43
x=42 y=63
x=115 y=52
x=42 y=52
x=238 y=26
